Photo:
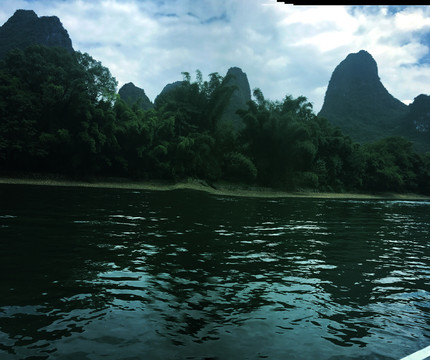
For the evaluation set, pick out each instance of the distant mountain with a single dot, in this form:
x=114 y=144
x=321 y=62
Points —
x=415 y=124
x=132 y=94
x=171 y=86
x=418 y=117
x=25 y=28
x=166 y=89
x=239 y=99
x=357 y=102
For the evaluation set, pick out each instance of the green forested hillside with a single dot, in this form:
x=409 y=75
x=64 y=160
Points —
x=415 y=124
x=59 y=113
x=359 y=104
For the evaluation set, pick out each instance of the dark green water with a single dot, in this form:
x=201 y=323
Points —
x=121 y=274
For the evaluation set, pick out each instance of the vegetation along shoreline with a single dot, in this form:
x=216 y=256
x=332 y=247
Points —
x=222 y=189
x=61 y=114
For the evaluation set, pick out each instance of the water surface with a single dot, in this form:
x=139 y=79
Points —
x=120 y=274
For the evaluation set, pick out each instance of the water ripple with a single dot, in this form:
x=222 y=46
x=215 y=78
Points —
x=186 y=275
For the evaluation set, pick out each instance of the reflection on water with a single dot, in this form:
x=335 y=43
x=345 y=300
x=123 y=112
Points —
x=93 y=273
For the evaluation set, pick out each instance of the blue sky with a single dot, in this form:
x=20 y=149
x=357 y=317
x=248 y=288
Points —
x=284 y=49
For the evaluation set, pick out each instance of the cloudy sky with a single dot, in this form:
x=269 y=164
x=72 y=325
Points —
x=283 y=49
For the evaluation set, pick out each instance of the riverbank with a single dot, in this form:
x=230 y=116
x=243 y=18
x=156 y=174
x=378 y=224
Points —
x=226 y=189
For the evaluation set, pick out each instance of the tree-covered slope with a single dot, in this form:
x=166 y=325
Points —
x=415 y=124
x=358 y=102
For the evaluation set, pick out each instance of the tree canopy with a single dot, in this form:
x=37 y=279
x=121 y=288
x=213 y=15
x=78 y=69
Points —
x=60 y=113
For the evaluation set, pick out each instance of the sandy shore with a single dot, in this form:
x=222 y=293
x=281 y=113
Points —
x=225 y=189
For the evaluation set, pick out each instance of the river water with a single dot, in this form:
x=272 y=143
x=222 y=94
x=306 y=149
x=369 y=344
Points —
x=120 y=274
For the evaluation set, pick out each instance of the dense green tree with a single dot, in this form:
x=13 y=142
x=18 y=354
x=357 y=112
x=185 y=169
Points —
x=64 y=109
x=238 y=167
x=195 y=108
x=18 y=135
x=277 y=139
x=196 y=105
x=391 y=165
x=59 y=112
x=338 y=163
x=97 y=79
x=423 y=175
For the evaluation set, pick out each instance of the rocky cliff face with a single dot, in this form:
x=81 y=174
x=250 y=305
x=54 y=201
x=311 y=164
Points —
x=358 y=102
x=132 y=94
x=239 y=98
x=25 y=28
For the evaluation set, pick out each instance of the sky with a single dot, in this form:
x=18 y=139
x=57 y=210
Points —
x=283 y=49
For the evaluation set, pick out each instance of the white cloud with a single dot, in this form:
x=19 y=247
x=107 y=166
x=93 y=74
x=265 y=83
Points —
x=411 y=20
x=284 y=49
